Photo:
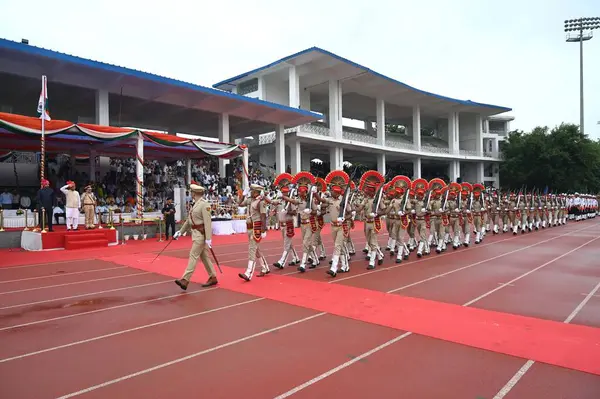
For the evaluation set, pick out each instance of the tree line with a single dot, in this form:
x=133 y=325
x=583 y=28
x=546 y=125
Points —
x=562 y=159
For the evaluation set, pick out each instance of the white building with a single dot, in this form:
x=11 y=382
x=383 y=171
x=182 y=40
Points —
x=457 y=136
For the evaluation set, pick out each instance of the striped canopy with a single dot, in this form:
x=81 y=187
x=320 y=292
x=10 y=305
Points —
x=64 y=131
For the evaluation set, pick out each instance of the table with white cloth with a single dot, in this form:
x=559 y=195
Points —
x=228 y=227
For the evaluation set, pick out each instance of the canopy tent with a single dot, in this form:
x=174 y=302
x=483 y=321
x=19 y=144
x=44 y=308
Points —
x=23 y=133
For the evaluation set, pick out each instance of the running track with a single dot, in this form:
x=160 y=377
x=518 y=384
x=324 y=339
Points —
x=513 y=317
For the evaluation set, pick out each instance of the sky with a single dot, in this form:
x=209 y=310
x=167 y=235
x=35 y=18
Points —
x=510 y=53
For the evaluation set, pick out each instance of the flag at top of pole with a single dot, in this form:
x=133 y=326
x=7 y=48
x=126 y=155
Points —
x=42 y=108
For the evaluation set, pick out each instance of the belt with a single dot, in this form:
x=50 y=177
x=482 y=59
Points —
x=87 y=204
x=369 y=221
x=420 y=218
x=305 y=222
x=198 y=227
x=336 y=224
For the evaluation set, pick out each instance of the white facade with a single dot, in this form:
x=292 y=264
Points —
x=357 y=103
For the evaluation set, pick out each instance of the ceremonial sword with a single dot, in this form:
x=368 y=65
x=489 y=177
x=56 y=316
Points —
x=215 y=256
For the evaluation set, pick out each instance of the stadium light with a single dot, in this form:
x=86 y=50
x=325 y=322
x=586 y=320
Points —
x=582 y=28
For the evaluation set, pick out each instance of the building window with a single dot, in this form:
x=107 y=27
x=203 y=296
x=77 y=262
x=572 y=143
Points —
x=249 y=86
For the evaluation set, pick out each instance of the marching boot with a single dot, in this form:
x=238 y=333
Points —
x=505 y=228
x=351 y=249
x=295 y=259
x=345 y=266
x=392 y=247
x=334 y=266
x=515 y=228
x=302 y=267
x=210 y=282
x=280 y=264
x=447 y=238
x=456 y=242
x=543 y=224
x=183 y=284
x=530 y=226
x=322 y=248
x=372 y=260
x=439 y=247
x=537 y=224
x=366 y=250
x=379 y=256
x=477 y=237
x=420 y=249
x=265 y=268
x=247 y=275
x=495 y=229
x=400 y=253
x=430 y=240
x=467 y=240
x=482 y=233
x=314 y=258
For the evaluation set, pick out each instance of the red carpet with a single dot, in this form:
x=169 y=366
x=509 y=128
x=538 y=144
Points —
x=566 y=345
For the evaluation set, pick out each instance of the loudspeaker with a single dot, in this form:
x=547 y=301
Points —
x=459 y=180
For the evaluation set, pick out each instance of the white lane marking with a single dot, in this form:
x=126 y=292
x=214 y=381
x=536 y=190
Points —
x=108 y=308
x=193 y=355
x=116 y=333
x=73 y=283
x=519 y=374
x=341 y=367
x=62 y=274
x=84 y=295
x=384 y=345
x=476 y=263
x=532 y=271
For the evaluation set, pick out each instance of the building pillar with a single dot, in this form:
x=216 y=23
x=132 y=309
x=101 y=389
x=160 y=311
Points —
x=335 y=109
x=93 y=165
x=336 y=158
x=305 y=99
x=294 y=87
x=380 y=122
x=486 y=126
x=280 y=149
x=495 y=149
x=480 y=172
x=261 y=88
x=102 y=109
x=223 y=138
x=417 y=168
x=452 y=134
x=454 y=171
x=188 y=166
x=381 y=163
x=295 y=157
x=416 y=126
x=478 y=135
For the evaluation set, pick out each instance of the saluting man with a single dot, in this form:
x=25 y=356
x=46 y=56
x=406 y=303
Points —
x=200 y=223
x=72 y=204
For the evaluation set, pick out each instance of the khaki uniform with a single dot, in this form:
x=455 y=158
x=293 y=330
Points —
x=478 y=219
x=437 y=226
x=454 y=221
x=337 y=233
x=89 y=205
x=286 y=212
x=199 y=222
x=372 y=226
x=523 y=208
x=307 y=225
x=395 y=217
x=418 y=207
x=467 y=217
x=256 y=215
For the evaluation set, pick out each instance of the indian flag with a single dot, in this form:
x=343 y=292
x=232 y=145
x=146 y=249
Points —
x=42 y=108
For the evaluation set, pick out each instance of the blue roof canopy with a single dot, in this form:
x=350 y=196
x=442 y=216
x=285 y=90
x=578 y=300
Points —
x=27 y=60
x=228 y=83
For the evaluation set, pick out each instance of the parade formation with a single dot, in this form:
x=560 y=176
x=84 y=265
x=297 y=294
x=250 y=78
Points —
x=419 y=216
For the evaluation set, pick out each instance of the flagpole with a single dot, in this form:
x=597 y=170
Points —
x=43 y=143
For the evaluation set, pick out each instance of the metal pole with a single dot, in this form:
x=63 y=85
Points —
x=581 y=81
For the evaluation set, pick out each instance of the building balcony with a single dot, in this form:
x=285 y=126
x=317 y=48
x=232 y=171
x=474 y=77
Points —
x=430 y=146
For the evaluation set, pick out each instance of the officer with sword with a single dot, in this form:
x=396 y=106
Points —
x=200 y=223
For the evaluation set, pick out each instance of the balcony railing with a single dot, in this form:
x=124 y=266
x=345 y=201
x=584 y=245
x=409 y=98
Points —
x=355 y=136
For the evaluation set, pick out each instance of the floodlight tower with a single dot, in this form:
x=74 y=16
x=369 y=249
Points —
x=582 y=29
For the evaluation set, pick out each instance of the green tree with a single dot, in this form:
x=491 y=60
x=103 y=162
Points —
x=563 y=159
